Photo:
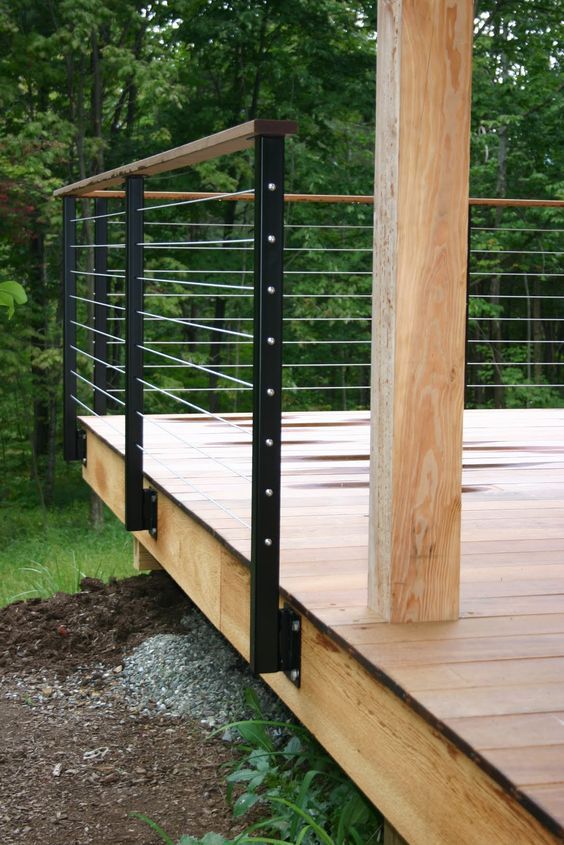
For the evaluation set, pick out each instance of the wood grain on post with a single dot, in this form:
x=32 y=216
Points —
x=420 y=248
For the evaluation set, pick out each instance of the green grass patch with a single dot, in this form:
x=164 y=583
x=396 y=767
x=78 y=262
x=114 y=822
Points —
x=44 y=551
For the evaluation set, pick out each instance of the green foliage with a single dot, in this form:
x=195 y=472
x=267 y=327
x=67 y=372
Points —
x=154 y=827
x=303 y=797
x=11 y=294
x=306 y=797
x=90 y=86
x=47 y=551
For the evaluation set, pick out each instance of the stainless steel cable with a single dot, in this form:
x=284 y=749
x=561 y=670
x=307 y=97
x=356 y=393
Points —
x=99 y=389
x=98 y=216
x=244 y=476
x=195 y=407
x=98 y=360
x=98 y=302
x=86 y=407
x=200 y=367
x=102 y=275
x=194 y=201
x=194 y=487
x=192 y=283
x=198 y=243
x=97 y=331
x=183 y=322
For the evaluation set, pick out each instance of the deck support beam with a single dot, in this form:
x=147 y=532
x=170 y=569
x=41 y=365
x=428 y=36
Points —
x=391 y=836
x=420 y=249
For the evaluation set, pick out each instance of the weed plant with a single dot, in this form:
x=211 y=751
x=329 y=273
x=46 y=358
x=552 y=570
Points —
x=284 y=775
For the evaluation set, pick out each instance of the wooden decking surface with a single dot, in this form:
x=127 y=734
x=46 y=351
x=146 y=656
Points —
x=494 y=680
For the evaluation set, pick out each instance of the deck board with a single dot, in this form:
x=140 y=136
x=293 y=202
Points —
x=495 y=678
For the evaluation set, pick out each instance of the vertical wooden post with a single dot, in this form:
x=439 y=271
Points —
x=421 y=208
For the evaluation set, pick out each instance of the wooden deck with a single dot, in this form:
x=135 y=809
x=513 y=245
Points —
x=455 y=730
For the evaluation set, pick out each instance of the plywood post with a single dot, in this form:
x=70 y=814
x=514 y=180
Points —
x=420 y=250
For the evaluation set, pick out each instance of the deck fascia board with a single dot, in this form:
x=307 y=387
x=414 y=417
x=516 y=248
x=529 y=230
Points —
x=391 y=778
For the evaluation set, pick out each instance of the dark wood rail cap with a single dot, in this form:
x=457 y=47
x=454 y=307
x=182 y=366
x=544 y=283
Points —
x=228 y=141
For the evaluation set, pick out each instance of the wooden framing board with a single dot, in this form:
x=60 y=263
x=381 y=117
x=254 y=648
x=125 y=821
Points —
x=433 y=789
x=143 y=560
x=420 y=254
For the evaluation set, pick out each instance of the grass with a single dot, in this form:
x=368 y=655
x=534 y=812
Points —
x=44 y=551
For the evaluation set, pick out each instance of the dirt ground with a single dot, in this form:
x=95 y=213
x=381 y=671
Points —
x=75 y=760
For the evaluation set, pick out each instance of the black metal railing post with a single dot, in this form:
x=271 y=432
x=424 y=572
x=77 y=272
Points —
x=272 y=643
x=140 y=503
x=100 y=307
x=73 y=438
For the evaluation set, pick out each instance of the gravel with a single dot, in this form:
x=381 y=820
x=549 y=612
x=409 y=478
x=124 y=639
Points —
x=197 y=674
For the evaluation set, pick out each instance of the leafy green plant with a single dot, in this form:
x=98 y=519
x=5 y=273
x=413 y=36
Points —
x=306 y=797
x=303 y=795
x=11 y=294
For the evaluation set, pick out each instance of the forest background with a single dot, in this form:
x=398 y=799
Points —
x=86 y=85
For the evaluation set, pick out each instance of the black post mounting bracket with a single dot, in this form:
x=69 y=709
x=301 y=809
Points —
x=290 y=643
x=80 y=445
x=150 y=511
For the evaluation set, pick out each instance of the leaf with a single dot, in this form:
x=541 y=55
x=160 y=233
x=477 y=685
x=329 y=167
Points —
x=252 y=702
x=293 y=747
x=255 y=733
x=7 y=301
x=244 y=803
x=154 y=826
x=323 y=836
x=241 y=776
x=15 y=290
x=261 y=760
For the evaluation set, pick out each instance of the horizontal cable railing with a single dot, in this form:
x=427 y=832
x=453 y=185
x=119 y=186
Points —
x=515 y=342
x=234 y=306
x=173 y=304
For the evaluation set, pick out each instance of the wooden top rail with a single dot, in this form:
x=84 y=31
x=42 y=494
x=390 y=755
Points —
x=197 y=195
x=360 y=199
x=229 y=141
x=515 y=203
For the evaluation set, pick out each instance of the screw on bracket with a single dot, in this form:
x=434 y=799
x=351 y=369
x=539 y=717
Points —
x=290 y=643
